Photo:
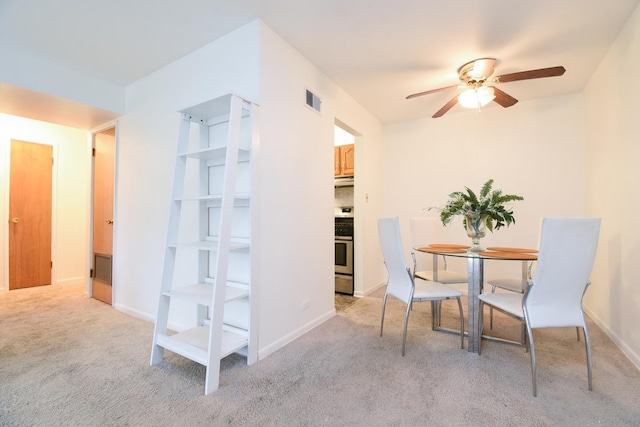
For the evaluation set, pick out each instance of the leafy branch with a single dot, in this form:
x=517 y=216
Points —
x=491 y=204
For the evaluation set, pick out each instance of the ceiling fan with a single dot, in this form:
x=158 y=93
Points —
x=479 y=90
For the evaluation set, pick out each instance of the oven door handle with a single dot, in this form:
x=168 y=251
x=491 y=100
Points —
x=344 y=238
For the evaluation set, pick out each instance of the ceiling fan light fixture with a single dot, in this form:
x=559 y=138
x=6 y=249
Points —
x=476 y=98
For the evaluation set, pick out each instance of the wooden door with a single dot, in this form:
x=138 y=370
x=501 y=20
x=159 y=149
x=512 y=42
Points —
x=103 y=185
x=30 y=214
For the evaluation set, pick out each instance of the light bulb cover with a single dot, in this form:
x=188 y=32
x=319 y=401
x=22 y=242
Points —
x=476 y=98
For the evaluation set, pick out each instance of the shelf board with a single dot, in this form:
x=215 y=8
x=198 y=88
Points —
x=193 y=343
x=212 y=245
x=202 y=293
x=216 y=153
x=212 y=198
x=211 y=108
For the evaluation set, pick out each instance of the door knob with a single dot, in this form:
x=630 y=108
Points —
x=14 y=220
x=109 y=221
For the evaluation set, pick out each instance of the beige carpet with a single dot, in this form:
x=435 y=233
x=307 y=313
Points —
x=66 y=360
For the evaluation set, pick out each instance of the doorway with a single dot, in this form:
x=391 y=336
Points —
x=30 y=214
x=104 y=146
x=344 y=213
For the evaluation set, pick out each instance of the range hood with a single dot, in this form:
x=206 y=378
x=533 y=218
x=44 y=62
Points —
x=343 y=181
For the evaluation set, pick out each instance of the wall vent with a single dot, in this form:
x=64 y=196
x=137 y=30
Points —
x=312 y=100
x=102 y=264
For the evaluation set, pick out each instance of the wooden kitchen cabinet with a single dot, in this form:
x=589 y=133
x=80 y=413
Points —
x=344 y=160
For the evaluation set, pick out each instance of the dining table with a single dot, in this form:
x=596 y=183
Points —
x=475 y=278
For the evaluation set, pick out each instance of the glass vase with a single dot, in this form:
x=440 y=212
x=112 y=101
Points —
x=476 y=226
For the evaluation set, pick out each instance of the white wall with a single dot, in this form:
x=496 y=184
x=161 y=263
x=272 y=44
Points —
x=71 y=194
x=534 y=149
x=612 y=109
x=147 y=138
x=296 y=194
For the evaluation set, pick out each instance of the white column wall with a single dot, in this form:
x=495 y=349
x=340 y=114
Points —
x=71 y=194
x=612 y=108
x=296 y=194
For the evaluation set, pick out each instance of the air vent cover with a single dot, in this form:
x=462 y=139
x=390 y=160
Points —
x=312 y=100
x=102 y=267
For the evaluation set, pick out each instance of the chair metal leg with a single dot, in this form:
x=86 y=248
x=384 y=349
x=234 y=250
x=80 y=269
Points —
x=493 y=290
x=406 y=322
x=436 y=315
x=532 y=353
x=480 y=326
x=578 y=332
x=384 y=304
x=461 y=323
x=587 y=342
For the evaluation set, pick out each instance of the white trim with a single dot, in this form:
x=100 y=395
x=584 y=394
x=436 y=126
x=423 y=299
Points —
x=137 y=313
x=54 y=214
x=105 y=126
x=264 y=352
x=361 y=294
x=4 y=216
x=622 y=345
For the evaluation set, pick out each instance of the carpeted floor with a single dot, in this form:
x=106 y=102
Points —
x=67 y=360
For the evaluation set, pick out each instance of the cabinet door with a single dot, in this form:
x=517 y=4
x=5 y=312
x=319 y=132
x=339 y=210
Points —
x=347 y=159
x=336 y=161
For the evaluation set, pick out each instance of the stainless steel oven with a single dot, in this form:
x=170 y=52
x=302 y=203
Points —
x=344 y=255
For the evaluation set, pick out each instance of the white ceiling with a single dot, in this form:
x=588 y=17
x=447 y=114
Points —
x=379 y=51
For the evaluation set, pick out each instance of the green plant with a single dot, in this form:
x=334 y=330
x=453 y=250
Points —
x=490 y=204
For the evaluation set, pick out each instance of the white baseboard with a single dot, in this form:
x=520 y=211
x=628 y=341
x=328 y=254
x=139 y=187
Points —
x=264 y=352
x=626 y=350
x=135 y=313
x=71 y=281
x=369 y=291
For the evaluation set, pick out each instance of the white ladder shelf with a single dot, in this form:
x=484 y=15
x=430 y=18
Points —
x=212 y=189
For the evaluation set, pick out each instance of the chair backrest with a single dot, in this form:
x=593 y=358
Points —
x=399 y=283
x=567 y=252
x=425 y=231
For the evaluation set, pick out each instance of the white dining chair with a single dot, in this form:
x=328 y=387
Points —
x=402 y=284
x=422 y=233
x=553 y=298
x=511 y=284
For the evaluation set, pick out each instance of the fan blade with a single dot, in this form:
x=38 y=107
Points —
x=428 y=92
x=503 y=98
x=531 y=74
x=446 y=107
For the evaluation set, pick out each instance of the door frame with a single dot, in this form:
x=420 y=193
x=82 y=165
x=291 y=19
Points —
x=114 y=259
x=5 y=150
